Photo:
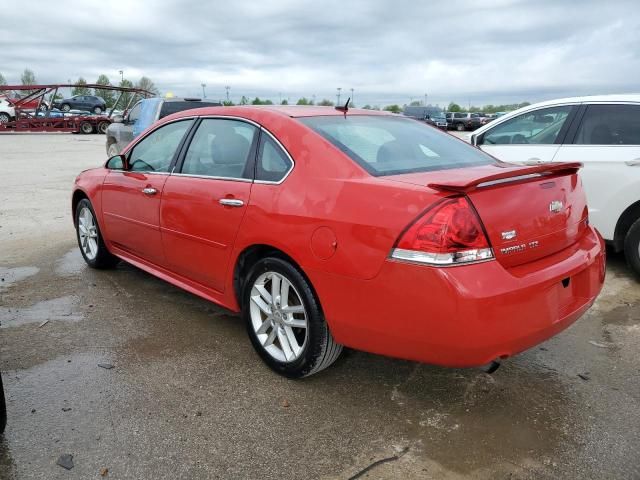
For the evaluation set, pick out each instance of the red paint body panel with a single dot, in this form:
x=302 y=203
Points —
x=462 y=315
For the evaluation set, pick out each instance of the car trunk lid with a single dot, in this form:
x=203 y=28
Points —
x=528 y=212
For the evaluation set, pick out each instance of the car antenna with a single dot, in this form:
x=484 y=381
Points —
x=345 y=108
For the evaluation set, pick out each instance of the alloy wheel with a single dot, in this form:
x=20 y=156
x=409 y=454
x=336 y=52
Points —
x=278 y=317
x=88 y=233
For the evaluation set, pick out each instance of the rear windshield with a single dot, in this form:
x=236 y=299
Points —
x=172 y=107
x=389 y=145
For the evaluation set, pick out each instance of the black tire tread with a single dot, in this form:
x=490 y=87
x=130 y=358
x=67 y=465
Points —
x=631 y=242
x=104 y=259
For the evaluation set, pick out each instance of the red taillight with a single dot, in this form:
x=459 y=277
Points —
x=449 y=233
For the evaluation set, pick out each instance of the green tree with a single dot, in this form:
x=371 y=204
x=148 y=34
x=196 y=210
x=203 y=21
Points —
x=304 y=101
x=393 y=108
x=81 y=88
x=267 y=102
x=453 y=107
x=28 y=78
x=326 y=103
x=368 y=107
x=416 y=103
x=228 y=103
x=256 y=101
x=109 y=96
x=244 y=100
x=127 y=100
x=145 y=83
x=284 y=102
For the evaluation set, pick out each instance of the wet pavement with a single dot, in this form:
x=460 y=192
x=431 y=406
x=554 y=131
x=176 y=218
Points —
x=188 y=398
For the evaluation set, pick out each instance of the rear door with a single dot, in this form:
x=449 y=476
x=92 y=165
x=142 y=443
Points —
x=131 y=198
x=607 y=142
x=205 y=201
x=530 y=138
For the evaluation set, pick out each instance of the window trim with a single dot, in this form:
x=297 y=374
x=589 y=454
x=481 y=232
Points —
x=278 y=144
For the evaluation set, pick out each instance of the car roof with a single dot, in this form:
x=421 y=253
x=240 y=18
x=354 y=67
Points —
x=294 y=111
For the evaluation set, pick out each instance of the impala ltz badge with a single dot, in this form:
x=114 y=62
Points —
x=555 y=206
x=509 y=235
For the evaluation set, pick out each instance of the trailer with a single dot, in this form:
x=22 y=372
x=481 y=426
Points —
x=34 y=114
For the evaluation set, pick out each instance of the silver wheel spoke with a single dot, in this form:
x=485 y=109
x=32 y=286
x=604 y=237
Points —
x=275 y=286
x=270 y=338
x=284 y=344
x=293 y=342
x=264 y=327
x=264 y=293
x=296 y=323
x=257 y=299
x=293 y=309
x=284 y=293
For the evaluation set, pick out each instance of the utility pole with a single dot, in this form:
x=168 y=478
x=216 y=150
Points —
x=122 y=75
x=352 y=102
x=338 y=96
x=227 y=88
x=425 y=99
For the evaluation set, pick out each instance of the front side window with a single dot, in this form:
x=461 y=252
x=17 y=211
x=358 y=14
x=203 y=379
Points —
x=387 y=145
x=610 y=125
x=539 y=127
x=155 y=152
x=220 y=148
x=273 y=163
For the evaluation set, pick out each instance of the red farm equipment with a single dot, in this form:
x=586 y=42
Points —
x=34 y=113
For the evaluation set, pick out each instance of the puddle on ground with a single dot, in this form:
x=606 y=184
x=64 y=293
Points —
x=70 y=264
x=63 y=308
x=9 y=276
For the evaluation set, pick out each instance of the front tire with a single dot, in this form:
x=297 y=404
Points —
x=90 y=241
x=86 y=128
x=97 y=110
x=65 y=107
x=102 y=127
x=632 y=248
x=5 y=117
x=284 y=320
x=460 y=127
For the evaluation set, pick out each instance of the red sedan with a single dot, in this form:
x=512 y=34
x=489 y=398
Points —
x=328 y=228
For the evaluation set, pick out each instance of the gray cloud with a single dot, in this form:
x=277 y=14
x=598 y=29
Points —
x=490 y=51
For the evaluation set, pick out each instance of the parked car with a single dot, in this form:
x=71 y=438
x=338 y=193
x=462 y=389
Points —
x=602 y=132
x=91 y=103
x=437 y=120
x=7 y=112
x=363 y=229
x=142 y=115
x=463 y=121
x=486 y=118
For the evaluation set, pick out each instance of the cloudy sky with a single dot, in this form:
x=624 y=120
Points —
x=489 y=51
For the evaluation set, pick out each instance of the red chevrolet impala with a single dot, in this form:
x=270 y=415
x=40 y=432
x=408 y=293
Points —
x=328 y=228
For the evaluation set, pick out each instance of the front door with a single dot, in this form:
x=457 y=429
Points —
x=530 y=138
x=131 y=198
x=203 y=205
x=607 y=142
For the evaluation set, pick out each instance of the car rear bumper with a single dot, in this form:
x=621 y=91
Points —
x=465 y=315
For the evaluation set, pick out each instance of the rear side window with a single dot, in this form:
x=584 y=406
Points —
x=273 y=163
x=388 y=145
x=539 y=127
x=610 y=125
x=172 y=107
x=220 y=148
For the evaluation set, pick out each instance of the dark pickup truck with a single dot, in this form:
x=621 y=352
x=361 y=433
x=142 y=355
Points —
x=463 y=121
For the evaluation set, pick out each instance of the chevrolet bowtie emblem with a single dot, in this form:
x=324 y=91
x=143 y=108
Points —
x=555 y=206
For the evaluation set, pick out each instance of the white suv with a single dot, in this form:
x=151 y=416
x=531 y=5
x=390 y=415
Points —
x=7 y=112
x=602 y=132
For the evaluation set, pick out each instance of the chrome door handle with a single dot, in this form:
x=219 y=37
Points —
x=149 y=191
x=633 y=163
x=231 y=202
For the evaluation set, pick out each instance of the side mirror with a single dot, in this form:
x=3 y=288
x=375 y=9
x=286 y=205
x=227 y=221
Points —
x=117 y=162
x=117 y=119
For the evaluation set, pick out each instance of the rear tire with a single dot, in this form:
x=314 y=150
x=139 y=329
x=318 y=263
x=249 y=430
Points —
x=5 y=117
x=86 y=128
x=65 y=107
x=632 y=248
x=460 y=127
x=90 y=242
x=314 y=349
x=3 y=408
x=102 y=127
x=97 y=110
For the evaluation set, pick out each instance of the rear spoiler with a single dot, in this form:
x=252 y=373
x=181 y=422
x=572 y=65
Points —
x=515 y=174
